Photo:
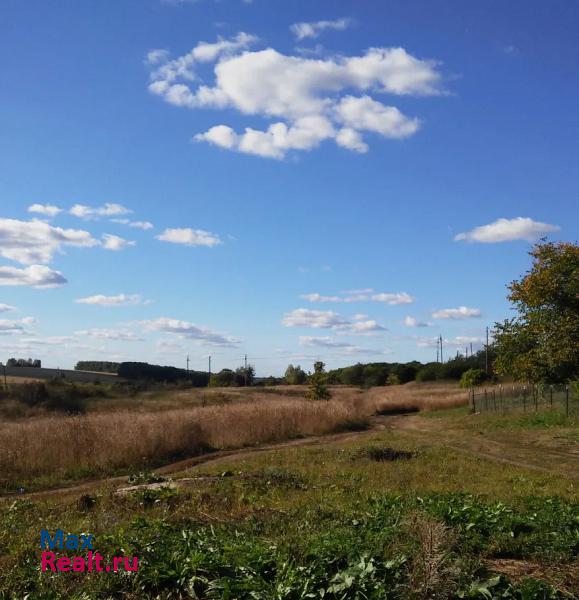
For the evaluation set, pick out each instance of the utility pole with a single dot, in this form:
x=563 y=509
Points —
x=471 y=348
x=209 y=365
x=187 y=363
x=441 y=359
x=245 y=370
x=487 y=353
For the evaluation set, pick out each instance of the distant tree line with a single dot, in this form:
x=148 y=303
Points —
x=97 y=366
x=24 y=362
x=146 y=372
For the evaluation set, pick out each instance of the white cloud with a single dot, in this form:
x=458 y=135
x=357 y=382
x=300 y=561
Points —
x=314 y=29
x=110 y=334
x=462 y=312
x=507 y=230
x=48 y=210
x=6 y=308
x=115 y=243
x=15 y=326
x=37 y=276
x=90 y=212
x=309 y=99
x=187 y=330
x=30 y=242
x=413 y=322
x=366 y=114
x=364 y=295
x=457 y=342
x=327 y=319
x=190 y=237
x=120 y=300
x=341 y=347
x=318 y=319
x=144 y=225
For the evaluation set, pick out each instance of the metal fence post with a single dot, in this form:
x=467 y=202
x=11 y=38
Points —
x=551 y=395
x=567 y=401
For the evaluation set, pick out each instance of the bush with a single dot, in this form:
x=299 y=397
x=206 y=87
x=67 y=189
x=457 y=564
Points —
x=30 y=394
x=430 y=372
x=472 y=377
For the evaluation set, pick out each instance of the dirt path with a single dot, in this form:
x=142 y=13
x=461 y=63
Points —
x=423 y=430
x=379 y=423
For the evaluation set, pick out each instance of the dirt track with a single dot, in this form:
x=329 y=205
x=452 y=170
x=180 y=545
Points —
x=423 y=430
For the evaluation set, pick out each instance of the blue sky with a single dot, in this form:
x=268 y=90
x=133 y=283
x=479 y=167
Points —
x=288 y=180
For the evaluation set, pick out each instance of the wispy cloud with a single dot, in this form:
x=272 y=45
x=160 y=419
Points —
x=187 y=330
x=94 y=212
x=111 y=301
x=120 y=335
x=314 y=29
x=414 y=322
x=364 y=295
x=462 y=312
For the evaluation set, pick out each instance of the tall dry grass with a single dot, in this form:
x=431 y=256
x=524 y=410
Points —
x=56 y=445
x=102 y=442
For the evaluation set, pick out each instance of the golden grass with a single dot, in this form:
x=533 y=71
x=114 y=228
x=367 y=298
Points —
x=57 y=446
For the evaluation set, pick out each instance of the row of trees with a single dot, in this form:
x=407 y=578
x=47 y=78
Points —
x=24 y=362
x=97 y=366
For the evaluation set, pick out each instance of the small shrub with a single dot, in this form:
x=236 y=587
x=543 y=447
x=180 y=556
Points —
x=30 y=394
x=472 y=377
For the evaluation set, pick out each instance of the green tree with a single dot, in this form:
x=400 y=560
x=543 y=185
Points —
x=245 y=376
x=318 y=389
x=541 y=342
x=472 y=377
x=295 y=375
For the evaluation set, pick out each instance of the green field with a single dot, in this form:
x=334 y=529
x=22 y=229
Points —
x=436 y=505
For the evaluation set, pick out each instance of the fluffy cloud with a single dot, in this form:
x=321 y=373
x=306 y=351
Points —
x=507 y=230
x=48 y=210
x=313 y=30
x=327 y=319
x=309 y=99
x=413 y=322
x=37 y=276
x=120 y=300
x=6 y=308
x=364 y=295
x=30 y=242
x=190 y=237
x=15 y=326
x=90 y=212
x=115 y=243
x=462 y=312
x=183 y=329
x=110 y=334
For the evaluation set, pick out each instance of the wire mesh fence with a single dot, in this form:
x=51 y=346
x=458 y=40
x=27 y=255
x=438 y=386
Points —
x=525 y=398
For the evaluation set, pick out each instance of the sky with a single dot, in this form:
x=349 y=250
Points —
x=341 y=180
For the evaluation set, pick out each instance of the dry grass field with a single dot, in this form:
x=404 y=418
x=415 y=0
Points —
x=160 y=428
